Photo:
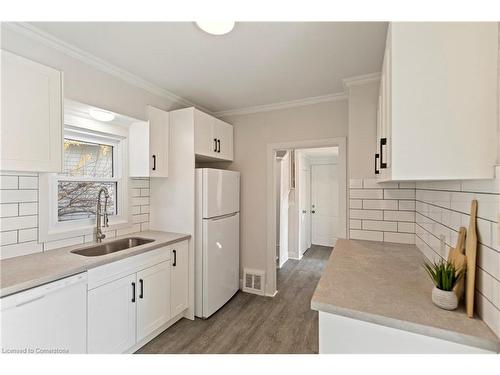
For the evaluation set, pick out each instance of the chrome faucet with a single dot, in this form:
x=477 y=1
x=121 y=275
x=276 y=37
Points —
x=98 y=234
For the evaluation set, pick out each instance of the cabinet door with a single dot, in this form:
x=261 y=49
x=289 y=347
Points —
x=138 y=150
x=31 y=131
x=224 y=135
x=159 y=132
x=205 y=142
x=153 y=298
x=112 y=316
x=179 y=277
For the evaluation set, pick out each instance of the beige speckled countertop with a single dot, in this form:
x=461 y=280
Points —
x=385 y=283
x=29 y=271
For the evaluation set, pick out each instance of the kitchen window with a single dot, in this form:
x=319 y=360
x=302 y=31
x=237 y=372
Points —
x=93 y=157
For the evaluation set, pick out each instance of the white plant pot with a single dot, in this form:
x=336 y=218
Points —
x=444 y=299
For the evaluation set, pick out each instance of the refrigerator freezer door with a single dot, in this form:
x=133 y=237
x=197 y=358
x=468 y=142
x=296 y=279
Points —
x=221 y=192
x=220 y=262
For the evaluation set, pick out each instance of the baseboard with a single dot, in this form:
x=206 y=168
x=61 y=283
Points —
x=155 y=333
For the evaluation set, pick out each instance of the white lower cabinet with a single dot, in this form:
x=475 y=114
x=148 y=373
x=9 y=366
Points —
x=180 y=278
x=112 y=316
x=153 y=303
x=133 y=299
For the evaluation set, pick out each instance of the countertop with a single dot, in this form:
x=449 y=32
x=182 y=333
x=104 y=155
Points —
x=385 y=283
x=28 y=271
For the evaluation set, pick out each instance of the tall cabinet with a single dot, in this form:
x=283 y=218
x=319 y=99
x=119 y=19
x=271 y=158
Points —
x=438 y=102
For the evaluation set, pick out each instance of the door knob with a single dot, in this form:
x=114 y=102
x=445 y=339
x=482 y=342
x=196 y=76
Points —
x=313 y=211
x=304 y=211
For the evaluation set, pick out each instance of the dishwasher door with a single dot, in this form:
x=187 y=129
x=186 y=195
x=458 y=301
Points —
x=50 y=318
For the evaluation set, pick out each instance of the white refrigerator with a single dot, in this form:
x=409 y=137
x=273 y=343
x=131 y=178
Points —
x=217 y=241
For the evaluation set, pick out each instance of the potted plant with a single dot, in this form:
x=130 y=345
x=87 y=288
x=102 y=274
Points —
x=445 y=276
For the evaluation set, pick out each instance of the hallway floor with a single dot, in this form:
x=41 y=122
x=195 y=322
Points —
x=254 y=324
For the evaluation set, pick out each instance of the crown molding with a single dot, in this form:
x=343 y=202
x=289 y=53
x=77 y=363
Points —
x=284 y=105
x=51 y=41
x=360 y=80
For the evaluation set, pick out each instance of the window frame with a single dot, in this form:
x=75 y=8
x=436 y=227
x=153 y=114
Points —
x=95 y=132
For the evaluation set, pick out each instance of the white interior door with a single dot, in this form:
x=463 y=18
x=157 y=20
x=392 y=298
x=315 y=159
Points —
x=324 y=204
x=305 y=209
x=284 y=191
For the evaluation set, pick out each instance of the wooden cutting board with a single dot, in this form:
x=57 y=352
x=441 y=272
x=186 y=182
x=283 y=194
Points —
x=470 y=253
x=457 y=257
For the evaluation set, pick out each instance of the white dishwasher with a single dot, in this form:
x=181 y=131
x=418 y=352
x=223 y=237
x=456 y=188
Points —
x=51 y=318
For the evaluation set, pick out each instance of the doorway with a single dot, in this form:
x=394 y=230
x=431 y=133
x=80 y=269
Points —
x=299 y=237
x=318 y=197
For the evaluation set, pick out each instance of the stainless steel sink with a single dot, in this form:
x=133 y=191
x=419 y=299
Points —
x=112 y=246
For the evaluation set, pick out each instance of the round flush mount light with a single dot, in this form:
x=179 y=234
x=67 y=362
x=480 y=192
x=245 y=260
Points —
x=216 y=28
x=101 y=115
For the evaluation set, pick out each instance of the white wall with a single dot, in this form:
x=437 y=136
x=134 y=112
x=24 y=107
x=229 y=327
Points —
x=363 y=101
x=252 y=134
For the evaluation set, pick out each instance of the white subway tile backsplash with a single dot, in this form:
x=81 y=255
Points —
x=406 y=205
x=399 y=194
x=355 y=203
x=399 y=216
x=19 y=210
x=354 y=224
x=26 y=235
x=407 y=185
x=28 y=182
x=16 y=196
x=442 y=207
x=366 y=214
x=366 y=235
x=380 y=225
x=9 y=182
x=9 y=209
x=8 y=238
x=367 y=194
x=28 y=209
x=379 y=204
x=371 y=183
x=18 y=222
x=406 y=227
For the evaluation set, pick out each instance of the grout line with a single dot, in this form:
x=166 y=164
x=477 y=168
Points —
x=453 y=210
x=477 y=264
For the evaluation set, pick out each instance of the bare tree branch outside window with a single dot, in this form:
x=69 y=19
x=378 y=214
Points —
x=77 y=199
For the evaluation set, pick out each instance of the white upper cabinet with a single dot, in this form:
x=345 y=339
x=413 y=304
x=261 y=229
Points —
x=32 y=112
x=438 y=102
x=149 y=145
x=213 y=138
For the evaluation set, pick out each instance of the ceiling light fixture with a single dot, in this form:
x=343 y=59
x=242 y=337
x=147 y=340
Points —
x=101 y=115
x=216 y=28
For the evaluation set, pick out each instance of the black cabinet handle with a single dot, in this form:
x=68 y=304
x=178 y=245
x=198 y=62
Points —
x=175 y=258
x=141 y=282
x=133 y=292
x=154 y=162
x=218 y=143
x=383 y=142
x=215 y=144
x=377 y=156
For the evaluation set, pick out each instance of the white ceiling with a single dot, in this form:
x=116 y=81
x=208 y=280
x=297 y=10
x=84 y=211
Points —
x=258 y=63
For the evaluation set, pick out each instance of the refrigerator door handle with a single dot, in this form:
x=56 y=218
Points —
x=223 y=216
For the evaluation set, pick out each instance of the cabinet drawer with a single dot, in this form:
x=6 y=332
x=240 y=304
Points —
x=121 y=268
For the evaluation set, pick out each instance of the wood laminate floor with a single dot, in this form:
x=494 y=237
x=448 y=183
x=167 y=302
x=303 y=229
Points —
x=254 y=324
